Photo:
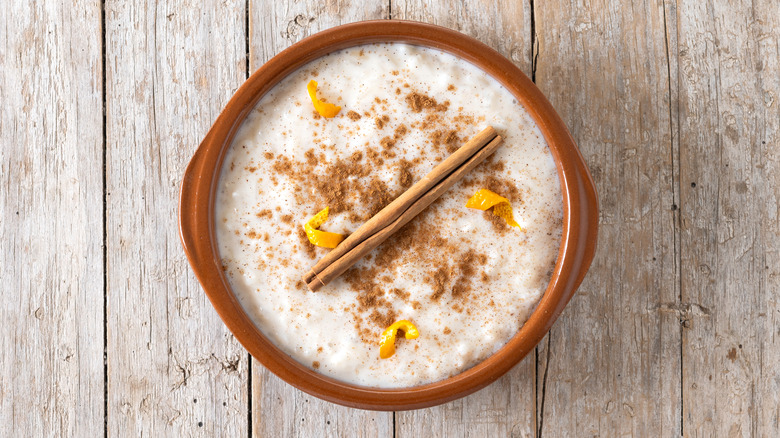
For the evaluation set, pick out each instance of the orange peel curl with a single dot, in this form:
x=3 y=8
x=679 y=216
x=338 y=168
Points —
x=485 y=199
x=325 y=109
x=324 y=239
x=387 y=342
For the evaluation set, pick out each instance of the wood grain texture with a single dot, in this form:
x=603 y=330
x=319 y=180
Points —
x=278 y=409
x=507 y=407
x=51 y=219
x=728 y=81
x=612 y=364
x=504 y=25
x=174 y=368
x=274 y=26
x=675 y=105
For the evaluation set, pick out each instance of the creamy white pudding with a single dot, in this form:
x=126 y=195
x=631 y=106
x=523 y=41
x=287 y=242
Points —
x=465 y=278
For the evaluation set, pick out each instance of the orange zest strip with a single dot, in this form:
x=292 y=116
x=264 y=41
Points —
x=327 y=110
x=387 y=342
x=484 y=199
x=321 y=238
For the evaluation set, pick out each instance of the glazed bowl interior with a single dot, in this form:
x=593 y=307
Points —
x=197 y=223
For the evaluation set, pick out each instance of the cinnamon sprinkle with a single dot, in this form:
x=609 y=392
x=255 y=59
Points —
x=308 y=248
x=502 y=186
x=419 y=102
x=441 y=279
x=381 y=121
x=346 y=186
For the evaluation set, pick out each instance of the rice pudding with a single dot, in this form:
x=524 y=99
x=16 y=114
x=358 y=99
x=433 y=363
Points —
x=466 y=279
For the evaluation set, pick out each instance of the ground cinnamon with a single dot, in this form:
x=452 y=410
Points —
x=399 y=212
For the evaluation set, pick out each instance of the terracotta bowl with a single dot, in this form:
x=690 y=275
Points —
x=198 y=192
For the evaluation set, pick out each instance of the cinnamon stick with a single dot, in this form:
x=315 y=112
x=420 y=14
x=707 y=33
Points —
x=403 y=209
x=391 y=212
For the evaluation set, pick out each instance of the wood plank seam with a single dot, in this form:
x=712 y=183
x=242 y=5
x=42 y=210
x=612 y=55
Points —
x=538 y=401
x=105 y=217
x=675 y=187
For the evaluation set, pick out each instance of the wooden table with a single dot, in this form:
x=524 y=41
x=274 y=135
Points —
x=674 y=104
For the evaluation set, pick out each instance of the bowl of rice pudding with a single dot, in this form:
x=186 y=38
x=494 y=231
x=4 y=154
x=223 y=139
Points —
x=343 y=122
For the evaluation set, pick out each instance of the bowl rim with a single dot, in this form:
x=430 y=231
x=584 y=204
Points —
x=578 y=241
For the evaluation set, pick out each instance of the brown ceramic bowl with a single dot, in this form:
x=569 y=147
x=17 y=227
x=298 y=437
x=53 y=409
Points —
x=580 y=215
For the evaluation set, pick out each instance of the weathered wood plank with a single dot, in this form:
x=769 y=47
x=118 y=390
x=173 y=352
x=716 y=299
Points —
x=51 y=257
x=504 y=25
x=277 y=408
x=506 y=408
x=650 y=124
x=612 y=365
x=274 y=26
x=174 y=368
x=729 y=86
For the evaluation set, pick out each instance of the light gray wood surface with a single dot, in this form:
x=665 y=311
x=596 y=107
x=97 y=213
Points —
x=674 y=105
x=51 y=219
x=612 y=363
x=173 y=368
x=728 y=113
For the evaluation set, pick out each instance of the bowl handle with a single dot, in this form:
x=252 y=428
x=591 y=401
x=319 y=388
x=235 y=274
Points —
x=193 y=205
x=588 y=221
